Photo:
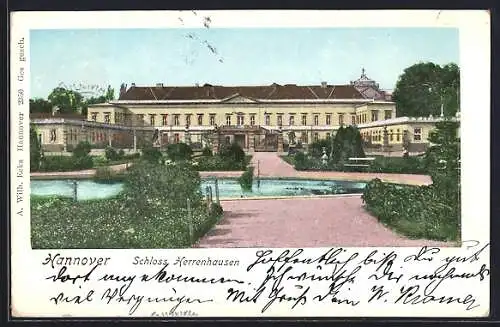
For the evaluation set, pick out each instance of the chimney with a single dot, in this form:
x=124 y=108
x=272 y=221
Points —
x=159 y=84
x=132 y=84
x=324 y=84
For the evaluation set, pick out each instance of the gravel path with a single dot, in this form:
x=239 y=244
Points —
x=305 y=222
x=302 y=222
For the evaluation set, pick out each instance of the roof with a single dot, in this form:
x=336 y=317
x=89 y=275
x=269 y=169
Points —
x=270 y=92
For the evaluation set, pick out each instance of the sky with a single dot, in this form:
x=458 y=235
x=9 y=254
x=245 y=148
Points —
x=231 y=56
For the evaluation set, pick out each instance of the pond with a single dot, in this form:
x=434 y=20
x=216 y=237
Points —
x=228 y=188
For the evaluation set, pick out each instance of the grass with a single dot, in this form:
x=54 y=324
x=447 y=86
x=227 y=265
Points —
x=61 y=223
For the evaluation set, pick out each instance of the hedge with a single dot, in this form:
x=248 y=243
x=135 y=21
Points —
x=419 y=212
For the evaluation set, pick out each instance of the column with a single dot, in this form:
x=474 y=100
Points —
x=110 y=136
x=65 y=139
x=215 y=142
x=280 y=141
x=251 y=143
x=135 y=141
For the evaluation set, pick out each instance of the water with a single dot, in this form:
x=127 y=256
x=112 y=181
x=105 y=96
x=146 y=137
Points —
x=86 y=189
x=228 y=188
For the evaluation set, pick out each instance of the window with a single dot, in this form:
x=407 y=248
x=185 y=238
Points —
x=141 y=118
x=152 y=119
x=53 y=135
x=107 y=117
x=417 y=134
x=328 y=135
x=397 y=136
x=94 y=116
x=291 y=120
x=364 y=118
x=212 y=119
x=316 y=137
x=316 y=120
x=228 y=120
x=388 y=114
x=240 y=120
x=304 y=119
x=391 y=135
x=176 y=138
x=252 y=120
x=268 y=120
x=93 y=136
x=329 y=119
x=188 y=119
x=374 y=115
x=200 y=119
x=228 y=140
x=341 y=119
x=176 y=120
x=353 y=120
x=164 y=120
x=279 y=120
x=303 y=137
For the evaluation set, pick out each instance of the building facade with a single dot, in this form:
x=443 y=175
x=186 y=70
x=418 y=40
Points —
x=259 y=118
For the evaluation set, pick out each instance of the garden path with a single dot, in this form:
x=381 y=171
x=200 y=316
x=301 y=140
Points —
x=271 y=165
x=306 y=222
x=302 y=222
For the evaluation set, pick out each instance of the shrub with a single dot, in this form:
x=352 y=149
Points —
x=106 y=175
x=417 y=212
x=84 y=162
x=217 y=163
x=100 y=160
x=316 y=148
x=111 y=154
x=66 y=163
x=402 y=165
x=82 y=149
x=246 y=179
x=121 y=153
x=148 y=184
x=347 y=143
x=207 y=152
x=232 y=152
x=300 y=161
x=132 y=156
x=427 y=211
x=179 y=151
x=151 y=154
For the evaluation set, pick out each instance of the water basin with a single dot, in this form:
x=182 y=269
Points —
x=228 y=188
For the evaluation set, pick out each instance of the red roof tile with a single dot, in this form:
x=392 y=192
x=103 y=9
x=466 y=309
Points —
x=270 y=92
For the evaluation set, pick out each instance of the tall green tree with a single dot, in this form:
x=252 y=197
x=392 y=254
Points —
x=35 y=149
x=108 y=96
x=346 y=144
x=424 y=87
x=68 y=101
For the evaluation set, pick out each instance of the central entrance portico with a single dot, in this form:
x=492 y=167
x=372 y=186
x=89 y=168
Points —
x=250 y=138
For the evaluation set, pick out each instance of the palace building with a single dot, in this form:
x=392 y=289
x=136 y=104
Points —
x=259 y=118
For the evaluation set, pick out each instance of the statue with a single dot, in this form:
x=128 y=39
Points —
x=324 y=157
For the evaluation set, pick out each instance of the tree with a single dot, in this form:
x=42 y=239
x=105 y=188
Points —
x=68 y=101
x=424 y=87
x=108 y=96
x=442 y=159
x=347 y=143
x=35 y=150
x=39 y=105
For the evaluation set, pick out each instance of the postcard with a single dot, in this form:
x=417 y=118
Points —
x=197 y=164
